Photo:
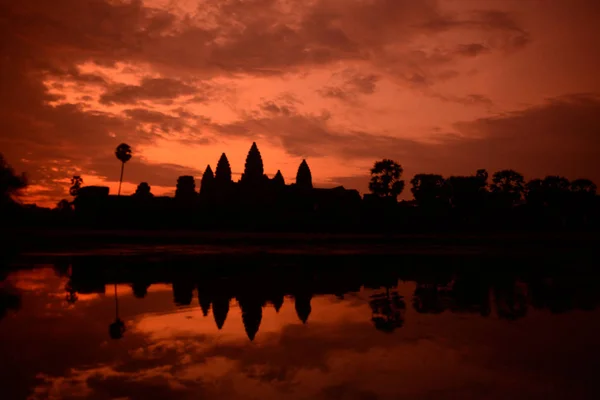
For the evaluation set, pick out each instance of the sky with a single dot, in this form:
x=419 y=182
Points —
x=446 y=87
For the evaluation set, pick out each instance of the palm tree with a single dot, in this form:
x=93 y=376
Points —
x=123 y=153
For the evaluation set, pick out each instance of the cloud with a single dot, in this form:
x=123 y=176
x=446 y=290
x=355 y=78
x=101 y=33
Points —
x=472 y=49
x=149 y=89
x=172 y=56
x=354 y=84
x=553 y=138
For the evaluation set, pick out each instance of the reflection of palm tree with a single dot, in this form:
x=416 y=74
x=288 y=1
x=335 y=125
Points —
x=117 y=328
x=71 y=293
x=123 y=153
x=386 y=311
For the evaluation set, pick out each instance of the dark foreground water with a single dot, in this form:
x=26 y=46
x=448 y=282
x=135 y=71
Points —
x=319 y=327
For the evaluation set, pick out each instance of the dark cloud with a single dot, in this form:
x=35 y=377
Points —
x=50 y=40
x=472 y=49
x=148 y=89
x=558 y=137
x=561 y=136
x=469 y=100
x=354 y=84
x=139 y=170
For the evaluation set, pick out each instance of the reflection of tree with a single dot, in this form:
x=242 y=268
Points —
x=9 y=300
x=510 y=299
x=470 y=293
x=563 y=293
x=140 y=289
x=117 y=328
x=427 y=299
x=386 y=311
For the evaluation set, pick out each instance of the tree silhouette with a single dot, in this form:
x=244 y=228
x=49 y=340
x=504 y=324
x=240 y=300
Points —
x=467 y=192
x=253 y=169
x=10 y=183
x=482 y=175
x=583 y=186
x=304 y=176
x=555 y=191
x=386 y=311
x=123 y=153
x=223 y=171
x=428 y=189
x=76 y=182
x=143 y=191
x=64 y=206
x=385 y=179
x=508 y=186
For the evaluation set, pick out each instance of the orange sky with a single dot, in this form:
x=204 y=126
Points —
x=440 y=86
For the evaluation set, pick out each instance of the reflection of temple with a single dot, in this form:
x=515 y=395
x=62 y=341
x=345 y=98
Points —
x=218 y=191
x=225 y=283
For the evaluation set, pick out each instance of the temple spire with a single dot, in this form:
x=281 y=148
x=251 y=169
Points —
x=304 y=177
x=223 y=172
x=278 y=179
x=253 y=169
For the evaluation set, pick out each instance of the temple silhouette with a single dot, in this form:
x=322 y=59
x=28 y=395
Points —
x=254 y=197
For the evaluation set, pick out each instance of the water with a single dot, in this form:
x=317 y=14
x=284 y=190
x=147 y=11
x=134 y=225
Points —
x=324 y=328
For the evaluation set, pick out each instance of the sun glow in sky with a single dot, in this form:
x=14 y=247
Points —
x=444 y=86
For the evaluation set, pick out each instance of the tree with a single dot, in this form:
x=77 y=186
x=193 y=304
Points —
x=223 y=171
x=482 y=175
x=76 y=182
x=10 y=183
x=143 y=191
x=385 y=179
x=253 y=169
x=428 y=189
x=64 y=206
x=123 y=153
x=508 y=186
x=467 y=192
x=583 y=186
x=304 y=176
x=556 y=190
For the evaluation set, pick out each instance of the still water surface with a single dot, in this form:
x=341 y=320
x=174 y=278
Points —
x=92 y=329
